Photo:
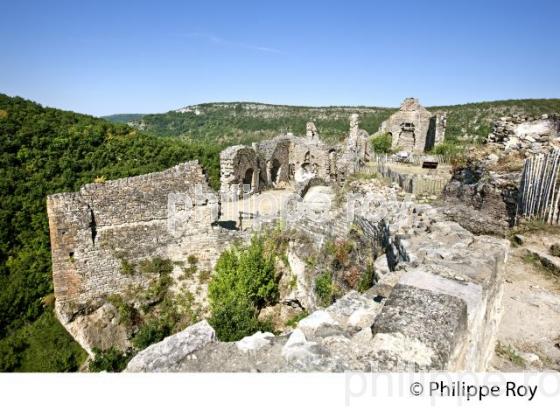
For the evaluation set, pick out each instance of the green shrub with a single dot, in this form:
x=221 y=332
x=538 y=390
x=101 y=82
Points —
x=245 y=281
x=448 y=149
x=158 y=289
x=41 y=346
x=367 y=280
x=192 y=260
x=381 y=144
x=127 y=268
x=156 y=265
x=151 y=332
x=127 y=312
x=111 y=360
x=324 y=289
x=294 y=320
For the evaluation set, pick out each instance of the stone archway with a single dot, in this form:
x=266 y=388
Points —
x=248 y=178
x=275 y=171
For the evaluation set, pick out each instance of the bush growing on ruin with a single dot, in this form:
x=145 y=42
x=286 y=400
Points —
x=324 y=289
x=173 y=314
x=151 y=332
x=127 y=268
x=382 y=143
x=244 y=283
x=156 y=265
x=448 y=149
x=111 y=360
x=367 y=280
x=127 y=313
x=340 y=251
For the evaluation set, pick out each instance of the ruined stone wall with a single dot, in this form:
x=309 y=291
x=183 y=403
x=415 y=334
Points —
x=239 y=172
x=94 y=230
x=435 y=307
x=358 y=140
x=441 y=126
x=274 y=159
x=287 y=158
x=309 y=158
x=413 y=128
x=533 y=135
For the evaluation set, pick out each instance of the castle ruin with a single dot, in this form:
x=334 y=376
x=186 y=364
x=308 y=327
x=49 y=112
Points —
x=105 y=227
x=413 y=128
x=434 y=303
x=290 y=159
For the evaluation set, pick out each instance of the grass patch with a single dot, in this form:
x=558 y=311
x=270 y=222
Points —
x=508 y=352
x=293 y=321
x=325 y=289
x=127 y=268
x=111 y=360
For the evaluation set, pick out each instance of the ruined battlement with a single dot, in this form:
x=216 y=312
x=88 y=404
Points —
x=99 y=229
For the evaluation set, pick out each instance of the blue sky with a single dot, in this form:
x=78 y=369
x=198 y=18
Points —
x=103 y=57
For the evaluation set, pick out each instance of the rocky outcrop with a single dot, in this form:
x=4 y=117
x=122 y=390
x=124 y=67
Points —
x=481 y=200
x=167 y=354
x=533 y=135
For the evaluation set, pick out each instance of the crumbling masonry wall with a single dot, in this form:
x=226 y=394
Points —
x=413 y=128
x=167 y=214
x=291 y=159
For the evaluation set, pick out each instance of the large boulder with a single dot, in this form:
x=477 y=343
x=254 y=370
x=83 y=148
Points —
x=167 y=354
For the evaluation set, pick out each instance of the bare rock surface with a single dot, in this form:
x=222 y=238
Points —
x=167 y=354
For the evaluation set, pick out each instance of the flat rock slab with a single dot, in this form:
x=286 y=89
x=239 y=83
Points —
x=165 y=355
x=424 y=318
x=255 y=342
x=550 y=262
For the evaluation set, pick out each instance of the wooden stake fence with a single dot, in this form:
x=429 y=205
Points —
x=539 y=191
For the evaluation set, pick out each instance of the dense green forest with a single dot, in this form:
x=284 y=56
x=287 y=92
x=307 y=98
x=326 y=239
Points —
x=242 y=122
x=239 y=123
x=44 y=151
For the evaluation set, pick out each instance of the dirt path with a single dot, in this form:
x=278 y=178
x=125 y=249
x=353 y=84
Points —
x=529 y=333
